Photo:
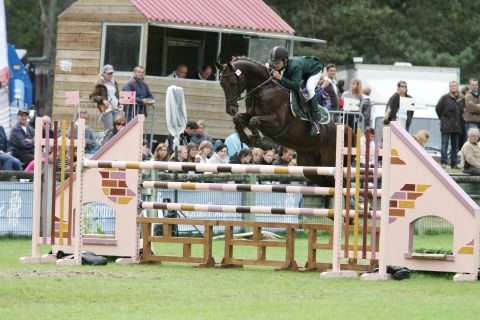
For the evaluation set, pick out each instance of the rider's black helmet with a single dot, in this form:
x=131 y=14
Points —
x=278 y=53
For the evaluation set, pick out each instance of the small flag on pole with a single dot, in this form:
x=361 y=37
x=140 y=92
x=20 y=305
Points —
x=72 y=98
x=127 y=97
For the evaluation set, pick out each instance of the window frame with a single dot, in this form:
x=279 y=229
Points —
x=104 y=41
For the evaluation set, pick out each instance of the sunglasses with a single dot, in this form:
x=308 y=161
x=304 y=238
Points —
x=120 y=124
x=402 y=86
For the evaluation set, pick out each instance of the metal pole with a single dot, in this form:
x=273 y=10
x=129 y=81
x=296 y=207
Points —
x=151 y=127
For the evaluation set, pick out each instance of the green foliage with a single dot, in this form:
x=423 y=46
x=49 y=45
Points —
x=431 y=33
x=22 y=25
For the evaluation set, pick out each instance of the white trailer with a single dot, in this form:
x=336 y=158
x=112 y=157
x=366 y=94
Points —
x=425 y=84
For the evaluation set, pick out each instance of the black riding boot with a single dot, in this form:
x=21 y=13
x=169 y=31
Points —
x=314 y=115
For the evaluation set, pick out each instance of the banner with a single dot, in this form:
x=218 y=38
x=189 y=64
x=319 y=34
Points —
x=350 y=104
x=72 y=98
x=3 y=45
x=4 y=101
x=127 y=97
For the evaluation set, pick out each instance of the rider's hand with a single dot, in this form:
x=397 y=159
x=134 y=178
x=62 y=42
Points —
x=276 y=75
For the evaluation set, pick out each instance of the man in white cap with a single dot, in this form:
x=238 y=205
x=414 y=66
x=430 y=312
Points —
x=21 y=139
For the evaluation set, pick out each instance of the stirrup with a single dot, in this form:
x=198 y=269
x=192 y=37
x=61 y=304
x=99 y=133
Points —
x=324 y=115
x=317 y=127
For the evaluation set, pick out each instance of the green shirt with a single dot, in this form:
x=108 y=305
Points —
x=300 y=69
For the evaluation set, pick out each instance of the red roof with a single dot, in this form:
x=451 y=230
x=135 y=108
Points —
x=239 y=14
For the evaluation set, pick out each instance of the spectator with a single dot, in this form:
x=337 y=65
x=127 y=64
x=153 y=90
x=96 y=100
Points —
x=244 y=156
x=191 y=152
x=47 y=119
x=21 y=139
x=257 y=156
x=323 y=98
x=291 y=71
x=161 y=153
x=146 y=153
x=118 y=125
x=393 y=105
x=205 y=73
x=143 y=95
x=366 y=107
x=7 y=161
x=355 y=93
x=472 y=106
x=463 y=136
x=106 y=95
x=234 y=144
x=204 y=151
x=449 y=111
x=341 y=86
x=268 y=156
x=180 y=72
x=332 y=88
x=422 y=137
x=286 y=156
x=220 y=155
x=470 y=153
x=185 y=137
x=91 y=143
x=200 y=134
x=181 y=156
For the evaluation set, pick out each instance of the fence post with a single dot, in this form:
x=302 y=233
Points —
x=249 y=199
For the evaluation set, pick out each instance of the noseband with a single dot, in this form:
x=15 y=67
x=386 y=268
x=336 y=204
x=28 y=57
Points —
x=238 y=97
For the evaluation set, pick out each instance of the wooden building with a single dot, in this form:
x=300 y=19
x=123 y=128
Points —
x=160 y=35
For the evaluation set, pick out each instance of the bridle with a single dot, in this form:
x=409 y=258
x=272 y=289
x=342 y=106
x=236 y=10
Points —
x=238 y=97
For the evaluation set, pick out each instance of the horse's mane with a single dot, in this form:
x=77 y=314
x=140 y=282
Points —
x=244 y=58
x=238 y=58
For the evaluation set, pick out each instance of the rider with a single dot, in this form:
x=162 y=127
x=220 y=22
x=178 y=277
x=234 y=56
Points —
x=292 y=71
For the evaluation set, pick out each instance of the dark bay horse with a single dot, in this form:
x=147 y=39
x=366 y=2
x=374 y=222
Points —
x=268 y=113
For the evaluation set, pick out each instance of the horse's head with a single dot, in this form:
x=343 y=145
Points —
x=233 y=83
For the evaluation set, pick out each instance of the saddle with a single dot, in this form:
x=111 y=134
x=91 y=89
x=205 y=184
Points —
x=299 y=108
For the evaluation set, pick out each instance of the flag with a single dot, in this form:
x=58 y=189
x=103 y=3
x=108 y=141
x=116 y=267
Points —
x=72 y=98
x=127 y=97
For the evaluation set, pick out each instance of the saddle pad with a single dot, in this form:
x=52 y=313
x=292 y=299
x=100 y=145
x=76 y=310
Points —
x=300 y=114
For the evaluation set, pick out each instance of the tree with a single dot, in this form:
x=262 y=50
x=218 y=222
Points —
x=434 y=33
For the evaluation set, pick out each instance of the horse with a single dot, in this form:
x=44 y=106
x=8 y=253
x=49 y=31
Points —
x=268 y=114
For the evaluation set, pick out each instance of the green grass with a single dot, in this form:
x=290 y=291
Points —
x=179 y=291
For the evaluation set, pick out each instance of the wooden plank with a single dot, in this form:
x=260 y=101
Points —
x=79 y=37
x=122 y=18
x=77 y=54
x=104 y=10
x=123 y=3
x=80 y=45
x=84 y=28
x=80 y=23
x=175 y=259
x=267 y=263
x=258 y=224
x=82 y=62
x=259 y=243
x=78 y=70
x=184 y=240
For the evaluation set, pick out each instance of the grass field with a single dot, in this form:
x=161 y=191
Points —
x=179 y=291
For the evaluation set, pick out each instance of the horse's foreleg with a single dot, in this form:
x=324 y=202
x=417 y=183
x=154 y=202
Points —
x=241 y=122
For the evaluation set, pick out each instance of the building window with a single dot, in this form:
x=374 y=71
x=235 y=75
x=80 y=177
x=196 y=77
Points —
x=122 y=45
x=168 y=47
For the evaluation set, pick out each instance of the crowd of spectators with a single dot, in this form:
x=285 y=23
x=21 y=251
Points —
x=458 y=112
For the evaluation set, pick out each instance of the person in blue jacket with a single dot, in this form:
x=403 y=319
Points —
x=143 y=96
